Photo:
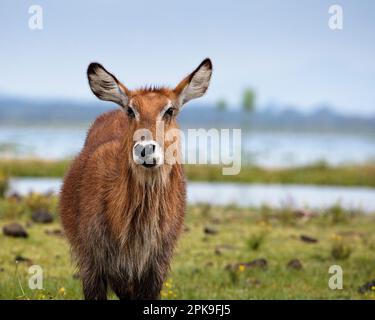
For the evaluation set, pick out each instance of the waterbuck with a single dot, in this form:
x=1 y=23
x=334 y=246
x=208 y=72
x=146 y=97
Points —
x=122 y=205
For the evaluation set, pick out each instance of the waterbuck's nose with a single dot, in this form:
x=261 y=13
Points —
x=147 y=153
x=148 y=149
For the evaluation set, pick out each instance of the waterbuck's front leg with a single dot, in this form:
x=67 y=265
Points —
x=94 y=284
x=94 y=289
x=121 y=288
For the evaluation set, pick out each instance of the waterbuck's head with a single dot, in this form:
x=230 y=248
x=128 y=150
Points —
x=152 y=137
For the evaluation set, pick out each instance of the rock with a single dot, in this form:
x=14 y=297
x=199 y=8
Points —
x=223 y=248
x=15 y=197
x=308 y=239
x=369 y=286
x=42 y=216
x=210 y=230
x=257 y=263
x=351 y=234
x=229 y=266
x=215 y=221
x=55 y=232
x=20 y=258
x=254 y=282
x=294 y=264
x=15 y=230
x=303 y=213
x=218 y=252
x=235 y=266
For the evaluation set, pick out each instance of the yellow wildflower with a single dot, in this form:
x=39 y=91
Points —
x=62 y=291
x=241 y=268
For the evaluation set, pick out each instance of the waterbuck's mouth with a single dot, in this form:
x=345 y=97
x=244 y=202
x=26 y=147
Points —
x=153 y=164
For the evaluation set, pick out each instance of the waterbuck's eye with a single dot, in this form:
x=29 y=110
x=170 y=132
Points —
x=130 y=113
x=169 y=112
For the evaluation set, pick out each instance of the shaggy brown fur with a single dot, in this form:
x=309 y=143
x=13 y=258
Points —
x=122 y=219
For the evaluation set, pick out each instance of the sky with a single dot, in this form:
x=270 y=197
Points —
x=285 y=50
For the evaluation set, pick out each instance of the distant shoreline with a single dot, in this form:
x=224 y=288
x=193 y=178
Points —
x=353 y=131
x=26 y=111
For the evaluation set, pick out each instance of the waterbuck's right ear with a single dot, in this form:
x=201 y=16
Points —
x=105 y=85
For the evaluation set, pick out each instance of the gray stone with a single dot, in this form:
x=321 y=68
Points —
x=15 y=230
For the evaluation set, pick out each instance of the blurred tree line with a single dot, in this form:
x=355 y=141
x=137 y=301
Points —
x=247 y=101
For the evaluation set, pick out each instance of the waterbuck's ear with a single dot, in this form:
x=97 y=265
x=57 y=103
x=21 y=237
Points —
x=195 y=84
x=105 y=85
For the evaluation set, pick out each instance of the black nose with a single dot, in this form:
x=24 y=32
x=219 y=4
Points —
x=147 y=150
x=145 y=153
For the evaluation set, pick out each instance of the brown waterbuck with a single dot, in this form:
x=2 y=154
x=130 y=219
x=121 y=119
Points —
x=122 y=205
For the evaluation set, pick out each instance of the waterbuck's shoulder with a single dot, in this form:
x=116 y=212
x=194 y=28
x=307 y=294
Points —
x=108 y=126
x=103 y=142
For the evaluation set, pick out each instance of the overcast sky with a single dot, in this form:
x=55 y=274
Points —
x=284 y=49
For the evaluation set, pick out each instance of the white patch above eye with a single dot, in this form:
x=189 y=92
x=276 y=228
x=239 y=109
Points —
x=130 y=105
x=164 y=110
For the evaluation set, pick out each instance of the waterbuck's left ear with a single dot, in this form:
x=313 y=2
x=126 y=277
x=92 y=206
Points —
x=195 y=84
x=105 y=85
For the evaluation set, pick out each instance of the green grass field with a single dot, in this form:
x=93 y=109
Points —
x=212 y=265
x=318 y=173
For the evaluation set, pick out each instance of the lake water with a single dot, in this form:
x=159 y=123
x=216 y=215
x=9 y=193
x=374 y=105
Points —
x=268 y=149
x=297 y=196
x=263 y=148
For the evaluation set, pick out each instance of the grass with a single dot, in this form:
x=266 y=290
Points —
x=212 y=266
x=318 y=173
x=33 y=167
x=3 y=184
